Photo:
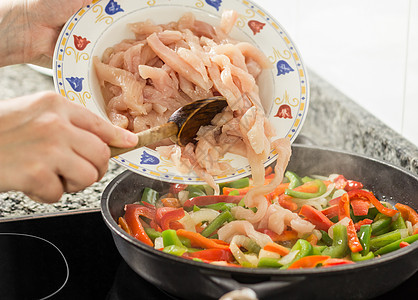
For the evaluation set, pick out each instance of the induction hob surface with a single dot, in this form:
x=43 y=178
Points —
x=73 y=256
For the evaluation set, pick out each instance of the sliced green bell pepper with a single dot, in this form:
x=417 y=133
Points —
x=269 y=262
x=399 y=223
x=326 y=238
x=152 y=233
x=175 y=250
x=339 y=246
x=305 y=248
x=357 y=256
x=195 y=191
x=220 y=206
x=170 y=238
x=395 y=245
x=322 y=188
x=294 y=179
x=223 y=217
x=149 y=195
x=384 y=239
x=364 y=235
x=379 y=226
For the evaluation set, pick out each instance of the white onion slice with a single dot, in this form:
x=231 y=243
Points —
x=344 y=222
x=289 y=257
x=187 y=222
x=204 y=214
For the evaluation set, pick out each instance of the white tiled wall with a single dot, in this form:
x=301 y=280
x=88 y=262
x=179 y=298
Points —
x=368 y=49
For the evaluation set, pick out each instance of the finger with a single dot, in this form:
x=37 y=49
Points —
x=91 y=148
x=77 y=173
x=110 y=134
x=46 y=187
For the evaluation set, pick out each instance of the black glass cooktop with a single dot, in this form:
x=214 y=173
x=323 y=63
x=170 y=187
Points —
x=73 y=256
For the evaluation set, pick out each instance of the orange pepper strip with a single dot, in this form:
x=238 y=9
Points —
x=198 y=240
x=276 y=248
x=369 y=196
x=407 y=213
x=344 y=207
x=358 y=225
x=122 y=224
x=313 y=239
x=336 y=262
x=309 y=262
x=353 y=241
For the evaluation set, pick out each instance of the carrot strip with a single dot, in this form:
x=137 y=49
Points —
x=407 y=213
x=276 y=248
x=309 y=262
x=198 y=240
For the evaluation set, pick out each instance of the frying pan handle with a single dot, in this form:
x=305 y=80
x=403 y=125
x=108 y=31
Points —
x=233 y=289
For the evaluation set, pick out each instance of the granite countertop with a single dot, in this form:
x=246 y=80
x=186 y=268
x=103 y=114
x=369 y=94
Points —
x=333 y=121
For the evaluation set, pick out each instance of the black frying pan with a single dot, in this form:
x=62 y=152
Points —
x=193 y=280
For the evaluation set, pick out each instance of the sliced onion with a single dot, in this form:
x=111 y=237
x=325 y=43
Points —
x=317 y=233
x=404 y=233
x=269 y=254
x=159 y=243
x=236 y=252
x=338 y=193
x=188 y=223
x=204 y=214
x=183 y=196
x=320 y=177
x=287 y=259
x=332 y=177
x=344 y=222
x=409 y=227
x=252 y=258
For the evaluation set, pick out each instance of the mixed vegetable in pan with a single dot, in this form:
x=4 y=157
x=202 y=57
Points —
x=307 y=222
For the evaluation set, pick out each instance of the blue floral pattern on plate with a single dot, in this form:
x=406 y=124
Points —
x=76 y=83
x=113 y=7
x=283 y=67
x=148 y=159
x=214 y=3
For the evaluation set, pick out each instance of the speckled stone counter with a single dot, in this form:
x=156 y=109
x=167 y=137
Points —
x=333 y=121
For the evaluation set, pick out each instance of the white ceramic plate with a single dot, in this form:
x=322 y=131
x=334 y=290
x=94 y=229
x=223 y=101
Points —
x=284 y=88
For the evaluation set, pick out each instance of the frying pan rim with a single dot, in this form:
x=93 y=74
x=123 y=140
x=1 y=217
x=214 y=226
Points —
x=387 y=258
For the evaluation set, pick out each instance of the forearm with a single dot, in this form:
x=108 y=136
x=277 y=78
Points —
x=13 y=30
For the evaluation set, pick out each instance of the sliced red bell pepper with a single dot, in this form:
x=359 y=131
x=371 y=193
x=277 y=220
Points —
x=206 y=200
x=212 y=255
x=331 y=211
x=175 y=188
x=336 y=262
x=348 y=185
x=369 y=196
x=353 y=240
x=360 y=206
x=344 y=207
x=309 y=262
x=170 y=216
x=403 y=244
x=340 y=182
x=407 y=213
x=316 y=217
x=358 y=225
x=132 y=213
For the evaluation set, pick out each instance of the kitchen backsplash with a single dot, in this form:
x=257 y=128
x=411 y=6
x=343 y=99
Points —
x=368 y=49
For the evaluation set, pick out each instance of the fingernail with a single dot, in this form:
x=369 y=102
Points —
x=132 y=138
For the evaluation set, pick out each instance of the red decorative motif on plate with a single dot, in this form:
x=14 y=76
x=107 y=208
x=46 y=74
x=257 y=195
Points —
x=255 y=26
x=284 y=112
x=80 y=43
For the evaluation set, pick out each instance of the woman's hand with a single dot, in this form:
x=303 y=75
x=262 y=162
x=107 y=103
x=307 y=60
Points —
x=49 y=145
x=30 y=28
